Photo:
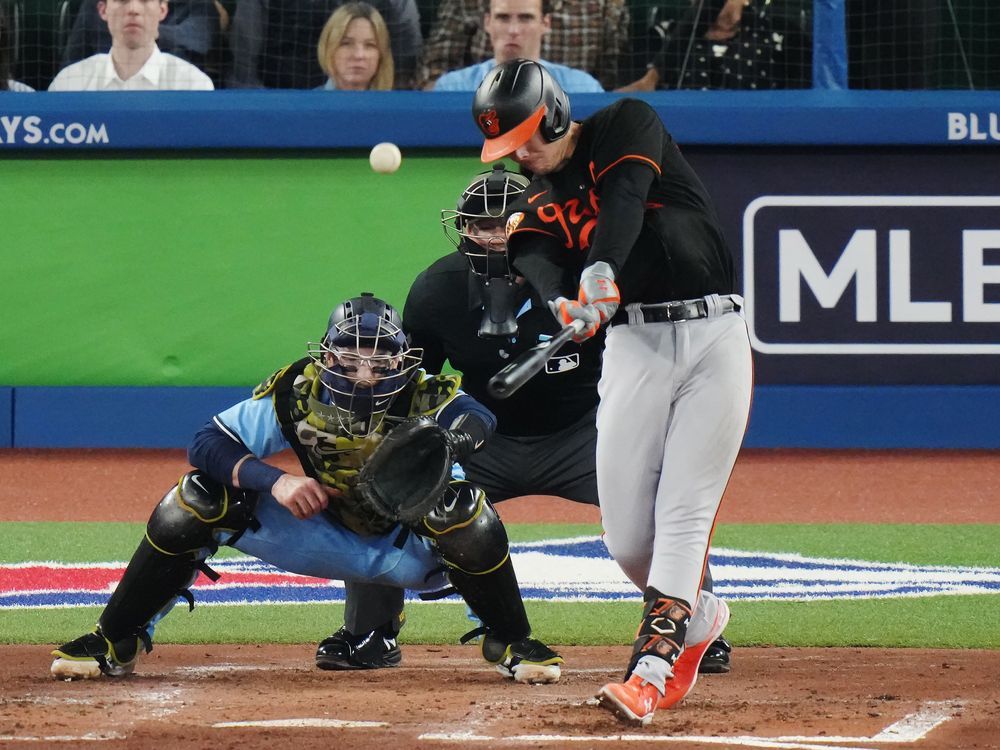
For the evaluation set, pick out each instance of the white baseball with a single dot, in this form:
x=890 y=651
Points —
x=385 y=158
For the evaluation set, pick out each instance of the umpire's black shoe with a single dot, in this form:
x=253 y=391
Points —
x=717 y=659
x=345 y=650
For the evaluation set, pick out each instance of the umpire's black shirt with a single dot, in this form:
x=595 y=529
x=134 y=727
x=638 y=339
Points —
x=442 y=314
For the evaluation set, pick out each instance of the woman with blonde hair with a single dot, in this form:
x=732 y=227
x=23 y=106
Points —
x=354 y=50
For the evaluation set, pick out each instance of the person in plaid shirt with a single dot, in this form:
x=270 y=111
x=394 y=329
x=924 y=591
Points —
x=590 y=35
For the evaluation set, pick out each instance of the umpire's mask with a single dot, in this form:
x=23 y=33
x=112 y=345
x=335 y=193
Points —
x=477 y=227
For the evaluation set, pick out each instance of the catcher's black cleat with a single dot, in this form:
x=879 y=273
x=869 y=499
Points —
x=92 y=655
x=527 y=660
x=374 y=650
x=717 y=658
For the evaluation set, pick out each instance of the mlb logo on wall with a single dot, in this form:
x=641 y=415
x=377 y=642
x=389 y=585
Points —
x=873 y=274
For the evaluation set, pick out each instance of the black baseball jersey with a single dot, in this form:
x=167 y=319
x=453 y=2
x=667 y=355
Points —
x=668 y=246
x=442 y=315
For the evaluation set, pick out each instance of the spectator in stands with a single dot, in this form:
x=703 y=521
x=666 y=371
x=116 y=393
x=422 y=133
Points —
x=7 y=82
x=590 y=35
x=728 y=44
x=354 y=50
x=190 y=31
x=134 y=63
x=516 y=29
x=273 y=42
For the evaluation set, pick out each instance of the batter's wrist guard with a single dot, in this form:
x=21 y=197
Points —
x=664 y=625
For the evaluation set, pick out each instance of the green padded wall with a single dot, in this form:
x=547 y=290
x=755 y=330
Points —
x=177 y=271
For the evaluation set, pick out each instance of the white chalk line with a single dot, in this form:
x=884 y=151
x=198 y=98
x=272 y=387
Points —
x=102 y=737
x=911 y=728
x=213 y=668
x=146 y=704
x=303 y=723
x=643 y=738
x=916 y=726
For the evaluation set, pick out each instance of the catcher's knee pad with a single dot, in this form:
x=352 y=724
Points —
x=466 y=529
x=199 y=513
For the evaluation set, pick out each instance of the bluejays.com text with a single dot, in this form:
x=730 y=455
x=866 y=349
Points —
x=30 y=130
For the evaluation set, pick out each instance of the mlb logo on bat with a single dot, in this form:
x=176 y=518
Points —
x=873 y=274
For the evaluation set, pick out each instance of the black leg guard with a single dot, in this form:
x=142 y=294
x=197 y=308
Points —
x=473 y=543
x=664 y=625
x=151 y=582
x=496 y=599
x=181 y=533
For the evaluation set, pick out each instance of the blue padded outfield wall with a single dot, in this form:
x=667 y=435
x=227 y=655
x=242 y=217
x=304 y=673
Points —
x=163 y=253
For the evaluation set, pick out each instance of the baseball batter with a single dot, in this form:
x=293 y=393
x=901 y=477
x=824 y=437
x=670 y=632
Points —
x=617 y=230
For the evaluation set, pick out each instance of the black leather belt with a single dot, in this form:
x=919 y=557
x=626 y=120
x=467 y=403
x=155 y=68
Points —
x=673 y=312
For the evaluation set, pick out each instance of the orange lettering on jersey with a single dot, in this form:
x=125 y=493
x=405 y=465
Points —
x=576 y=220
x=585 y=234
x=552 y=213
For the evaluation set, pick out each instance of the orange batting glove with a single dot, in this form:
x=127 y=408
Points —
x=568 y=310
x=599 y=291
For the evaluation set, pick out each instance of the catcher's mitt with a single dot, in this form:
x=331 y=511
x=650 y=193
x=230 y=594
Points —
x=408 y=472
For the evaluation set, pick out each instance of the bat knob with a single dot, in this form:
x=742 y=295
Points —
x=497 y=388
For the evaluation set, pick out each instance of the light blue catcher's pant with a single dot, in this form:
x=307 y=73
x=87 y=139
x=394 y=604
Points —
x=322 y=548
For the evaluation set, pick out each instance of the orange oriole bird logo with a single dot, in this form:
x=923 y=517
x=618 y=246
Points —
x=489 y=123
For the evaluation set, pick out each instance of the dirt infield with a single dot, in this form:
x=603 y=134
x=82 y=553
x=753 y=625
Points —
x=447 y=696
x=766 y=487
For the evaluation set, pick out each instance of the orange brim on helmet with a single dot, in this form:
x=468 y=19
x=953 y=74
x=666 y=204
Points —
x=513 y=139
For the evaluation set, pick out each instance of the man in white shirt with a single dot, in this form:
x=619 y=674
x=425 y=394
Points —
x=135 y=63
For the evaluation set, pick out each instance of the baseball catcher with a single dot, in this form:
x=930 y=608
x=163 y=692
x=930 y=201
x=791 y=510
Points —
x=377 y=438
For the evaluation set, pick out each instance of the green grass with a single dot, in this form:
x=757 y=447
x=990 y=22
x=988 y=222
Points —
x=101 y=542
x=962 y=621
x=941 y=544
x=968 y=622
x=974 y=545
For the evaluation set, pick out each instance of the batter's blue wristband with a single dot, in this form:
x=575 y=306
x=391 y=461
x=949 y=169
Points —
x=256 y=475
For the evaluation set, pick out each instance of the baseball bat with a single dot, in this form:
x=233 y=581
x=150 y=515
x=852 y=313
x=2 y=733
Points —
x=518 y=372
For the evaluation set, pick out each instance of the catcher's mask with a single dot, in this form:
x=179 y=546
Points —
x=366 y=362
x=514 y=100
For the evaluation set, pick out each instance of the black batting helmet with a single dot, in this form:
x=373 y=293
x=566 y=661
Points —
x=514 y=100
